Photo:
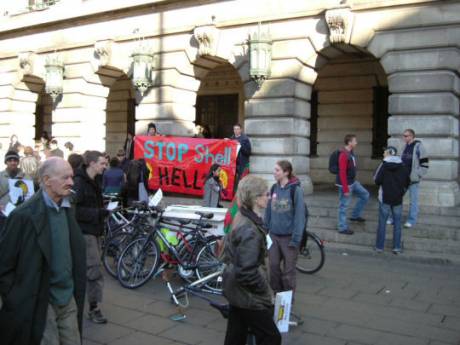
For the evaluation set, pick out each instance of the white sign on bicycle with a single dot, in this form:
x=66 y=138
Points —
x=155 y=199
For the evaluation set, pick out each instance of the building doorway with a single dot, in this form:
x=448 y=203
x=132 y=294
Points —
x=220 y=101
x=350 y=95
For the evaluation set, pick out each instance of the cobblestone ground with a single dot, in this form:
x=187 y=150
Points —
x=353 y=300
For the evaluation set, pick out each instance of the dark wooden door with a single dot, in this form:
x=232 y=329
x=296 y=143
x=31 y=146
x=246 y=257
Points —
x=219 y=112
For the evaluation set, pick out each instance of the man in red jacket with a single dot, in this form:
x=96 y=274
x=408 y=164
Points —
x=346 y=181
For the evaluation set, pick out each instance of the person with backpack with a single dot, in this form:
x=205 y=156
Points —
x=342 y=163
x=415 y=158
x=285 y=219
x=393 y=178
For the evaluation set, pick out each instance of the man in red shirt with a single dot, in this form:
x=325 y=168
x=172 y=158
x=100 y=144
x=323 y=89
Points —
x=346 y=181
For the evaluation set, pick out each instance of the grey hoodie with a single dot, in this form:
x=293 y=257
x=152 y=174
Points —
x=282 y=217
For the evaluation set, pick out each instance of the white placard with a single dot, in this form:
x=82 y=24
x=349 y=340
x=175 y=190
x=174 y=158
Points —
x=9 y=207
x=283 y=301
x=269 y=242
x=20 y=190
x=156 y=198
x=112 y=205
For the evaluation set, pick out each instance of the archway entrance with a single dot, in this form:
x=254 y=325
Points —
x=350 y=95
x=220 y=101
x=120 y=114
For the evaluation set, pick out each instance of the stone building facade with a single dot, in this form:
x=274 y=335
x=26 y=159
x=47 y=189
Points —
x=370 y=67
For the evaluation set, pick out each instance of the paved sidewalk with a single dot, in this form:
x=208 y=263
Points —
x=352 y=300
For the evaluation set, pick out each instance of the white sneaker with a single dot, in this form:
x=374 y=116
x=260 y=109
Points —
x=389 y=222
x=408 y=225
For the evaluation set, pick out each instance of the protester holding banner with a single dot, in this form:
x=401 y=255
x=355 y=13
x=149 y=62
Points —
x=285 y=218
x=245 y=278
x=242 y=161
x=152 y=130
x=212 y=187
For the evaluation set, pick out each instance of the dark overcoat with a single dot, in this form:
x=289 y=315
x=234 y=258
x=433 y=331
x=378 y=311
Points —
x=25 y=254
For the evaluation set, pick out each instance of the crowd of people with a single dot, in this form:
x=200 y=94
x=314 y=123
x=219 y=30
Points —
x=50 y=245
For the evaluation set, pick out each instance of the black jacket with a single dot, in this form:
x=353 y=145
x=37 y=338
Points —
x=25 y=254
x=245 y=278
x=243 y=155
x=393 y=178
x=90 y=206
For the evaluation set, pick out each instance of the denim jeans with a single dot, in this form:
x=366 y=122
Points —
x=413 y=207
x=344 y=201
x=384 y=212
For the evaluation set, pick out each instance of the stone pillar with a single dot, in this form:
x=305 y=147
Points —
x=277 y=123
x=427 y=102
x=80 y=115
x=170 y=105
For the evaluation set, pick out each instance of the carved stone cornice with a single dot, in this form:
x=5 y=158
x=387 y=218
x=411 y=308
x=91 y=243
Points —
x=339 y=22
x=26 y=62
x=207 y=37
x=103 y=52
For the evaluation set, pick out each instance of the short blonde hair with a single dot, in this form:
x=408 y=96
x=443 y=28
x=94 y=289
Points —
x=249 y=188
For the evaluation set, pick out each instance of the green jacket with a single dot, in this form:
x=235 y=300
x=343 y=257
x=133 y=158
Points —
x=25 y=253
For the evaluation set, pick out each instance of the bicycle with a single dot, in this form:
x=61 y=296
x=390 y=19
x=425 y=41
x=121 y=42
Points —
x=192 y=253
x=311 y=256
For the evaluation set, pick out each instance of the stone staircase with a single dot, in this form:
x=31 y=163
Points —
x=436 y=236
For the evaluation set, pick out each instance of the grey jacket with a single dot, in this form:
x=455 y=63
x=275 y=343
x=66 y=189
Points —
x=245 y=278
x=211 y=196
x=419 y=163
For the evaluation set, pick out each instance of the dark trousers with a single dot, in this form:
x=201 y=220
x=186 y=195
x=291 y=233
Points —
x=282 y=261
x=261 y=323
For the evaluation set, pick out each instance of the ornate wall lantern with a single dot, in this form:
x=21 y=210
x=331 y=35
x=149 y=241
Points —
x=260 y=55
x=54 y=77
x=142 y=66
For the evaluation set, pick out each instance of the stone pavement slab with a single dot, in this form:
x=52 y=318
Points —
x=353 y=300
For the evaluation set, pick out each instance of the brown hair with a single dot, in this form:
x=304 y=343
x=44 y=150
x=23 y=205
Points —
x=285 y=166
x=411 y=131
x=92 y=156
x=348 y=138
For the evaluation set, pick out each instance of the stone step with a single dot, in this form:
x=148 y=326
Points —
x=423 y=219
x=370 y=226
x=420 y=245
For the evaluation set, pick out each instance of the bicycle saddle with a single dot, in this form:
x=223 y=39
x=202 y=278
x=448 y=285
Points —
x=207 y=215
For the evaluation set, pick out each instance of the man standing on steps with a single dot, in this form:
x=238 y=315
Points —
x=90 y=214
x=242 y=161
x=415 y=159
x=346 y=181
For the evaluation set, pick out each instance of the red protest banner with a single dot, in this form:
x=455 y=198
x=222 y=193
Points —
x=180 y=165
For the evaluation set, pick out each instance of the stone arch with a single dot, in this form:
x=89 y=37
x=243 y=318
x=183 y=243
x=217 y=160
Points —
x=350 y=95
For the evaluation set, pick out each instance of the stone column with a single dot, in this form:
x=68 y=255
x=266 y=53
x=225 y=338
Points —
x=427 y=101
x=80 y=116
x=277 y=123
x=170 y=105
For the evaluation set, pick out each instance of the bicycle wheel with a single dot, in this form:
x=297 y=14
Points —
x=311 y=257
x=112 y=250
x=137 y=263
x=207 y=263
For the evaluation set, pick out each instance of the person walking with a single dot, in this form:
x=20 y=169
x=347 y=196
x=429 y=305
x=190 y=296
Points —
x=242 y=160
x=285 y=218
x=245 y=278
x=393 y=178
x=416 y=160
x=212 y=187
x=42 y=265
x=113 y=178
x=90 y=213
x=348 y=186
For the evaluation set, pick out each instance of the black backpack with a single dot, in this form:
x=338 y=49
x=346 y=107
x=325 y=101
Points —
x=292 y=192
x=334 y=162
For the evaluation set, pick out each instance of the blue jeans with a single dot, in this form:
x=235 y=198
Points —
x=413 y=207
x=344 y=201
x=384 y=212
